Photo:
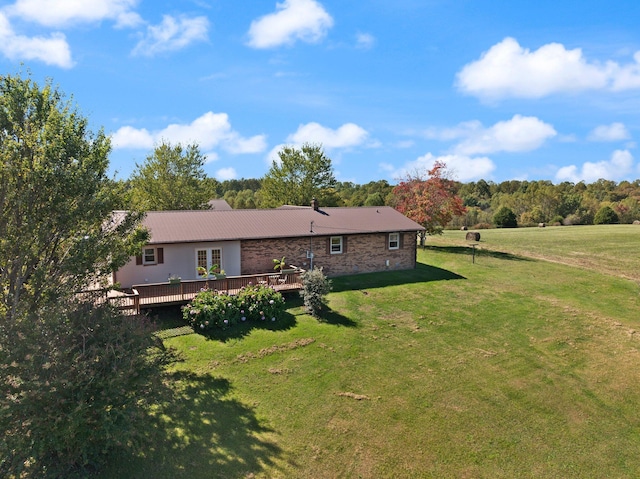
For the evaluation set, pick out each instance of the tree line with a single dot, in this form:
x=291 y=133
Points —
x=172 y=177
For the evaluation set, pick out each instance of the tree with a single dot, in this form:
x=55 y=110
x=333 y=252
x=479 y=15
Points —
x=75 y=374
x=505 y=218
x=606 y=216
x=430 y=202
x=172 y=178
x=300 y=175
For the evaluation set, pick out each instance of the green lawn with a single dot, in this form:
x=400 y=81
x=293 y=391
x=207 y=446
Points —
x=509 y=367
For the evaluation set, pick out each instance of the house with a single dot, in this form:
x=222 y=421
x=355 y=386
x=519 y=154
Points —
x=242 y=242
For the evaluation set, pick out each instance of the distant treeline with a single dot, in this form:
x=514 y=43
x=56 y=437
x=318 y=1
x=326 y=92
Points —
x=532 y=202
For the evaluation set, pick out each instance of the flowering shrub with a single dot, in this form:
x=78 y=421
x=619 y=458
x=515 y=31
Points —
x=210 y=309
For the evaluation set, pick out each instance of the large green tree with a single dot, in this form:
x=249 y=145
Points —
x=172 y=177
x=75 y=373
x=298 y=176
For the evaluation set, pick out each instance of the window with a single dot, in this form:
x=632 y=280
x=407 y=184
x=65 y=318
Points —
x=394 y=240
x=208 y=258
x=149 y=256
x=336 y=245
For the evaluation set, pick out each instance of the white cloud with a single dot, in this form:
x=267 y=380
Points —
x=130 y=137
x=226 y=174
x=65 y=12
x=210 y=156
x=617 y=167
x=521 y=133
x=463 y=168
x=347 y=135
x=365 y=41
x=627 y=77
x=172 y=34
x=509 y=70
x=52 y=50
x=613 y=132
x=209 y=131
x=293 y=20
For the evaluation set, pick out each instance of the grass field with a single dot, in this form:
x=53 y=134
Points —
x=509 y=367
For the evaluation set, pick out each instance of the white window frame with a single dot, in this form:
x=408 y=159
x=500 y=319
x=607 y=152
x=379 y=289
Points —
x=209 y=260
x=339 y=245
x=153 y=255
x=394 y=238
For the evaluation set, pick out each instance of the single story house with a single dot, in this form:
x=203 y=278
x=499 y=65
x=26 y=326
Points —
x=340 y=240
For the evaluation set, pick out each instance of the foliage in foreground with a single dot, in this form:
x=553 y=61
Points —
x=212 y=309
x=75 y=379
x=315 y=288
x=76 y=384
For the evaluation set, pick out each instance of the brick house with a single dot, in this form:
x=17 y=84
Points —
x=341 y=240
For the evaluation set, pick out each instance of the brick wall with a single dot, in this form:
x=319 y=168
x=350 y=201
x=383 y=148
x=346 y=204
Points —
x=364 y=253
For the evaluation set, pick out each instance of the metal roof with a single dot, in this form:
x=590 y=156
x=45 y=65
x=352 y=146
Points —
x=286 y=222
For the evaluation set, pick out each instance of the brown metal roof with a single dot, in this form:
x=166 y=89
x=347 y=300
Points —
x=286 y=222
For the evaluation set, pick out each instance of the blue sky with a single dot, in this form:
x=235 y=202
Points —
x=498 y=90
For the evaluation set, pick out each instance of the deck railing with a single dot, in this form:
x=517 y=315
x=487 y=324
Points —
x=160 y=294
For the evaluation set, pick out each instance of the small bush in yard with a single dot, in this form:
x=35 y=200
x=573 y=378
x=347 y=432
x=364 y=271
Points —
x=315 y=288
x=210 y=309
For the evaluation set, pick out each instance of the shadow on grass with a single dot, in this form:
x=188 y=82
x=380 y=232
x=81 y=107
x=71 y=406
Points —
x=421 y=274
x=201 y=432
x=467 y=250
x=283 y=323
x=333 y=317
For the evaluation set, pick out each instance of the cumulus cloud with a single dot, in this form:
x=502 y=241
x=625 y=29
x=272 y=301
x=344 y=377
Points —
x=612 y=132
x=65 y=12
x=209 y=131
x=52 y=50
x=172 y=34
x=520 y=133
x=304 y=20
x=463 y=168
x=627 y=77
x=347 y=135
x=226 y=174
x=509 y=70
x=617 y=167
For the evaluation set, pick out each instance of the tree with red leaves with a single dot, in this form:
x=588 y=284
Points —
x=430 y=201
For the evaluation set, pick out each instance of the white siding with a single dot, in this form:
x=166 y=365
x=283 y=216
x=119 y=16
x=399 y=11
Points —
x=180 y=260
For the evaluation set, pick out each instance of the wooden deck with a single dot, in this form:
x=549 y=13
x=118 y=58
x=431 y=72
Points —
x=164 y=294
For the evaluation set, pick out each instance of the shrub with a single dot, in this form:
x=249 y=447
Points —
x=315 y=287
x=78 y=385
x=606 y=216
x=505 y=218
x=210 y=310
x=482 y=226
